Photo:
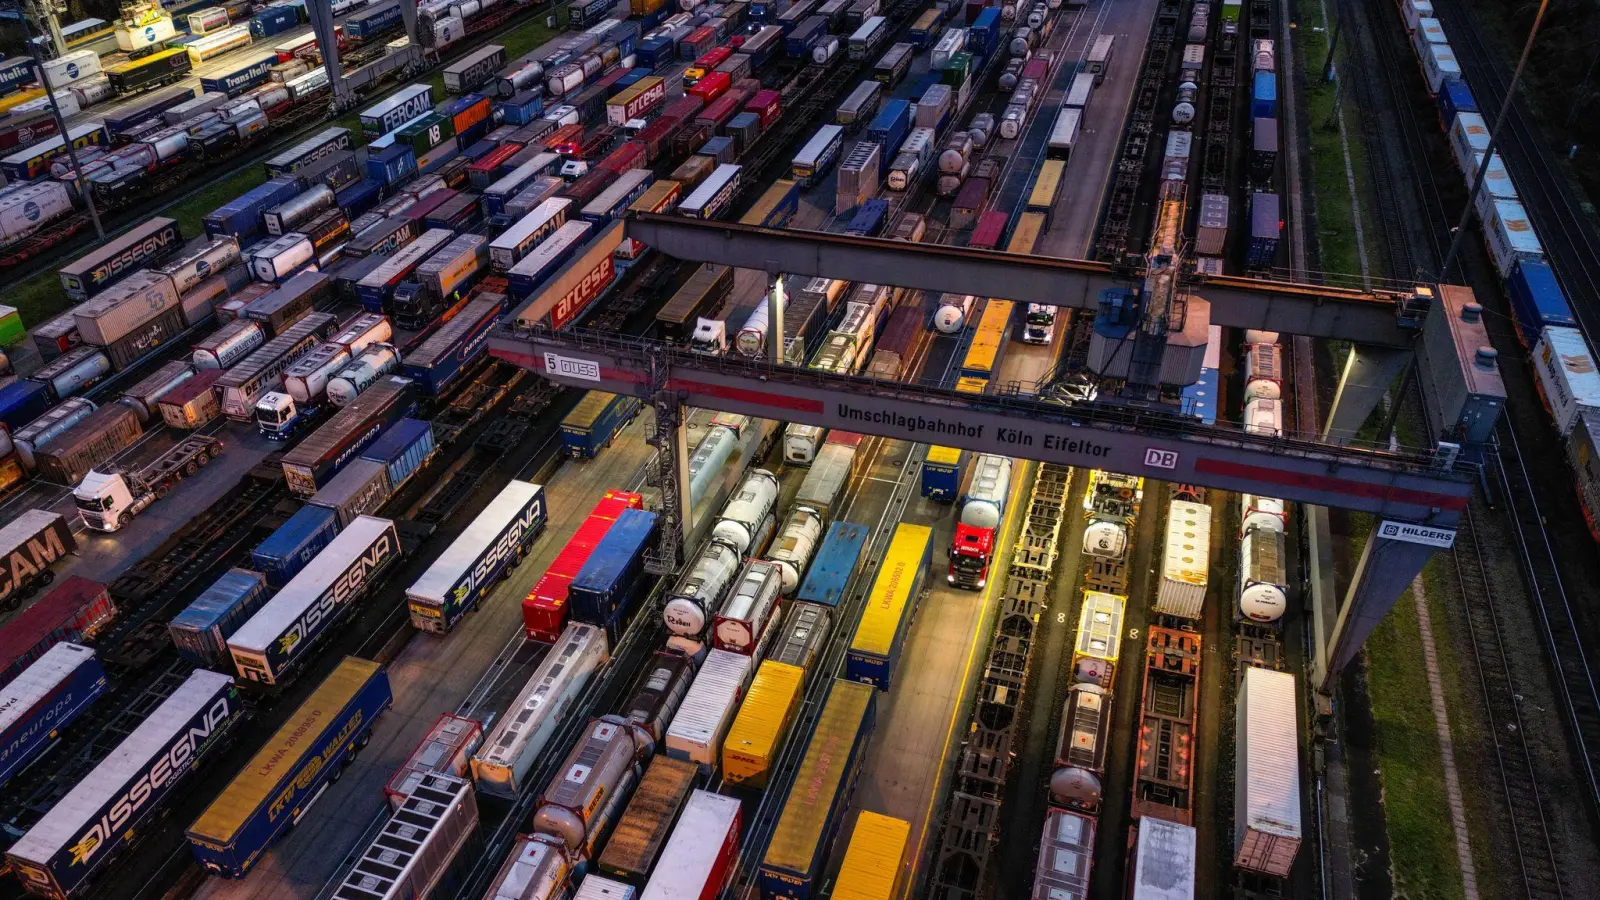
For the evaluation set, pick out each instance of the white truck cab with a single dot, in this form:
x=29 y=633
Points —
x=710 y=337
x=277 y=415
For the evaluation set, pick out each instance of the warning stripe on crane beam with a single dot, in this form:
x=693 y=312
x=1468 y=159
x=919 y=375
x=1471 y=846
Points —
x=1345 y=486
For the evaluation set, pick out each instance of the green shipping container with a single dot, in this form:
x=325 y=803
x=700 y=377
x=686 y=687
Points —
x=957 y=69
x=12 y=331
x=427 y=133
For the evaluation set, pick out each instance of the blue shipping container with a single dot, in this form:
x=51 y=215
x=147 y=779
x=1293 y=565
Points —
x=984 y=36
x=1455 y=97
x=296 y=542
x=631 y=78
x=869 y=218
x=392 y=165
x=273 y=20
x=286 y=776
x=240 y=218
x=15 y=72
x=654 y=51
x=1264 y=98
x=359 y=198
x=435 y=159
x=799 y=42
x=609 y=581
x=523 y=108
x=364 y=26
x=835 y=562
x=889 y=128
x=242 y=79
x=47 y=695
x=1537 y=300
x=23 y=401
x=922 y=85
x=403 y=449
x=201 y=630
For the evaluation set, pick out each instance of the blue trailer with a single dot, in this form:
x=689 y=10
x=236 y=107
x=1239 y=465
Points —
x=240 y=218
x=23 y=401
x=496 y=539
x=403 y=449
x=1264 y=97
x=798 y=43
x=48 y=694
x=654 y=51
x=983 y=38
x=595 y=421
x=1455 y=97
x=366 y=25
x=835 y=562
x=443 y=357
x=941 y=473
x=201 y=630
x=241 y=79
x=606 y=586
x=296 y=542
x=523 y=108
x=359 y=198
x=273 y=20
x=889 y=128
x=1537 y=300
x=291 y=770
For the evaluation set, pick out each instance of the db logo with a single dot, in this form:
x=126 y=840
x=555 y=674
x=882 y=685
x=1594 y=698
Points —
x=1160 y=459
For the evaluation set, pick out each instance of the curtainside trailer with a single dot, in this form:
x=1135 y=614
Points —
x=595 y=421
x=290 y=772
x=77 y=610
x=201 y=631
x=449 y=352
x=48 y=695
x=494 y=542
x=67 y=848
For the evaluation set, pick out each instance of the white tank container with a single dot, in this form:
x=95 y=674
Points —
x=700 y=590
x=752 y=337
x=564 y=80
x=1263 y=372
x=986 y=494
x=282 y=257
x=41 y=431
x=1256 y=511
x=826 y=49
x=741 y=519
x=71 y=377
x=93 y=90
x=362 y=331
x=800 y=443
x=375 y=362
x=1012 y=121
x=191 y=269
x=1263 y=585
x=169 y=143
x=1107 y=540
x=957 y=149
x=229 y=344
x=951 y=316
x=1265 y=417
x=308 y=377
x=794 y=547
x=981 y=130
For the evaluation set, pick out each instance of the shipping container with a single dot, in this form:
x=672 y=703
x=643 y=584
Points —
x=497 y=538
x=413 y=853
x=279 y=784
x=1162 y=860
x=1185 y=561
x=1267 y=774
x=631 y=852
x=701 y=853
x=193 y=403
x=294 y=544
x=450 y=351
x=1567 y=377
x=604 y=590
x=697 y=731
x=350 y=430
x=201 y=631
x=834 y=564
x=757 y=735
x=100 y=436
x=544 y=609
x=447 y=747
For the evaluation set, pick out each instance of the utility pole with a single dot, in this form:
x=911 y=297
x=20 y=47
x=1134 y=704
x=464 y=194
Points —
x=44 y=13
x=1494 y=139
x=61 y=123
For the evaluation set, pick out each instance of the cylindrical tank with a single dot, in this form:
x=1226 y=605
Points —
x=1183 y=113
x=1107 y=540
x=1253 y=336
x=957 y=149
x=1263 y=582
x=85 y=369
x=825 y=50
x=301 y=208
x=949 y=185
x=951 y=316
x=705 y=464
x=307 y=378
x=752 y=338
x=1094 y=670
x=48 y=427
x=362 y=331
x=93 y=90
x=700 y=590
x=465 y=10
x=986 y=493
x=530 y=74
x=981 y=130
x=564 y=80
x=751 y=505
x=196 y=267
x=142 y=397
x=1256 y=511
x=281 y=258
x=229 y=344
x=750 y=608
x=594 y=780
x=1012 y=121
x=1021 y=42
x=1077 y=787
x=1263 y=372
x=1008 y=12
x=667 y=678
x=168 y=144
x=375 y=362
x=794 y=547
x=1265 y=417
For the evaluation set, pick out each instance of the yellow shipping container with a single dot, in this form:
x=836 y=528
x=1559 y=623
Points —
x=970 y=385
x=758 y=731
x=875 y=861
x=988 y=340
x=899 y=579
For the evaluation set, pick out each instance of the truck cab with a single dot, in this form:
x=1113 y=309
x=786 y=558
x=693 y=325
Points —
x=710 y=337
x=415 y=305
x=279 y=417
x=970 y=551
x=104 y=500
x=1040 y=326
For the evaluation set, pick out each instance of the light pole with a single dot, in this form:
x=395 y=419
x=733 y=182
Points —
x=1494 y=138
x=61 y=123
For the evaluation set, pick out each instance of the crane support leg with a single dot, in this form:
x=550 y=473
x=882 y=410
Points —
x=777 y=299
x=328 y=43
x=671 y=440
x=1323 y=601
x=1393 y=557
x=1368 y=372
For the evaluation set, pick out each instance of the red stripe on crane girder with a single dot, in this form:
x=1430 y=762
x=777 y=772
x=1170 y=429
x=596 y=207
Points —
x=1329 y=483
x=741 y=395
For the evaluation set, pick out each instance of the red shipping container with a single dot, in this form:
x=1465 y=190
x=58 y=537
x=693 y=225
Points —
x=657 y=136
x=425 y=207
x=725 y=108
x=589 y=186
x=711 y=87
x=767 y=104
x=1037 y=68
x=76 y=610
x=565 y=140
x=486 y=169
x=684 y=108
x=630 y=155
x=698 y=42
x=990 y=229
x=544 y=610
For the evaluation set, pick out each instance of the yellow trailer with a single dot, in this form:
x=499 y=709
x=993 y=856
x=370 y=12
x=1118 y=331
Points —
x=758 y=731
x=874 y=863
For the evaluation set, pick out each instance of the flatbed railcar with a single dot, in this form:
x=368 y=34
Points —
x=1164 y=775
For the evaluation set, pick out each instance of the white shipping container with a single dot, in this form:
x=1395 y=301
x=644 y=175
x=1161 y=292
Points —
x=1185 y=560
x=1511 y=237
x=1469 y=138
x=1266 y=822
x=30 y=207
x=599 y=887
x=706 y=835
x=229 y=344
x=1164 y=861
x=1567 y=375
x=125 y=306
x=1415 y=11
x=1438 y=64
x=71 y=67
x=702 y=721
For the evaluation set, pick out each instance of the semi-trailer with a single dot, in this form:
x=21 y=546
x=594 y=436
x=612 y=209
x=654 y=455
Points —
x=76 y=610
x=696 y=732
x=71 y=843
x=288 y=774
x=595 y=421
x=834 y=564
x=604 y=591
x=495 y=541
x=449 y=351
x=29 y=545
x=275 y=640
x=109 y=498
x=544 y=609
x=44 y=699
x=1267 y=830
x=340 y=440
x=201 y=631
